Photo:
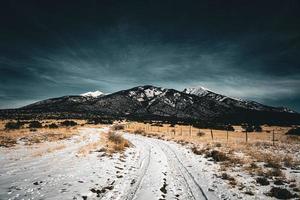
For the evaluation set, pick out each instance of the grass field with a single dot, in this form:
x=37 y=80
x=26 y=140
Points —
x=192 y=134
x=9 y=138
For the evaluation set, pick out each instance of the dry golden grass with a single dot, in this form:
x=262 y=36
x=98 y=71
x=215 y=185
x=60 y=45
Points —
x=49 y=150
x=116 y=142
x=86 y=149
x=9 y=138
x=110 y=143
x=189 y=133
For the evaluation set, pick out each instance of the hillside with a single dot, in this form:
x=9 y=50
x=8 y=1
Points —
x=157 y=103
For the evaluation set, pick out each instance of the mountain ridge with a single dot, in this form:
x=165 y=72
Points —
x=202 y=91
x=156 y=103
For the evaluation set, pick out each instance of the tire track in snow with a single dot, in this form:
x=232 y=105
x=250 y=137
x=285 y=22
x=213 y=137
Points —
x=190 y=176
x=173 y=167
x=193 y=189
x=134 y=190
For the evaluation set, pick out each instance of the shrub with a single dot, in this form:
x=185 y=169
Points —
x=35 y=124
x=119 y=142
x=220 y=127
x=200 y=133
x=53 y=125
x=226 y=176
x=218 y=144
x=230 y=128
x=139 y=131
x=281 y=193
x=217 y=156
x=196 y=151
x=251 y=128
x=262 y=181
x=13 y=125
x=68 y=123
x=118 y=127
x=115 y=138
x=294 y=131
x=7 y=141
x=257 y=128
x=274 y=173
x=272 y=162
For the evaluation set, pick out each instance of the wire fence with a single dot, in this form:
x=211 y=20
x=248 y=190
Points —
x=268 y=134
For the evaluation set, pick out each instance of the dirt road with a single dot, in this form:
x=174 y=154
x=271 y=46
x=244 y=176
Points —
x=151 y=169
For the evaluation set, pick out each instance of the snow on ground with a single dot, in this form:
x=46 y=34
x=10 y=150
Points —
x=150 y=169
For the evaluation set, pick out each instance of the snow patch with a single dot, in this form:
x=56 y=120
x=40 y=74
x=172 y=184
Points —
x=199 y=91
x=150 y=93
x=94 y=94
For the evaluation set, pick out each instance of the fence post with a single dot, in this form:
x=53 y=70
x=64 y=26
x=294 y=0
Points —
x=246 y=136
x=190 y=130
x=273 y=138
x=227 y=135
x=212 y=135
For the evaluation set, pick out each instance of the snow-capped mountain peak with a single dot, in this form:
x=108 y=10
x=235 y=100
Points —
x=199 y=91
x=94 y=94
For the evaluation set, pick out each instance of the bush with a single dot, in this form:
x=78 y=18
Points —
x=196 y=151
x=68 y=123
x=115 y=138
x=120 y=144
x=53 y=125
x=35 y=124
x=217 y=156
x=226 y=176
x=6 y=141
x=200 y=133
x=262 y=181
x=257 y=128
x=13 y=125
x=221 y=127
x=139 y=131
x=294 y=131
x=281 y=193
x=251 y=128
x=118 y=127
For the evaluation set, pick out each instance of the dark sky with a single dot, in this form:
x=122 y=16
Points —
x=247 y=49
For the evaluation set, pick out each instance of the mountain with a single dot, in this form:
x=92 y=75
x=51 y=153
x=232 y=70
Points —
x=156 y=103
x=234 y=102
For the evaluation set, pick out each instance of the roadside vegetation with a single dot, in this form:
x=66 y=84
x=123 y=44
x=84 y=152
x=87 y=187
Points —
x=35 y=131
x=117 y=143
x=294 y=131
x=109 y=143
x=267 y=155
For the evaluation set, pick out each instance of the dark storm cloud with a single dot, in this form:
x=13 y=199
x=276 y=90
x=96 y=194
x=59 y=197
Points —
x=248 y=50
